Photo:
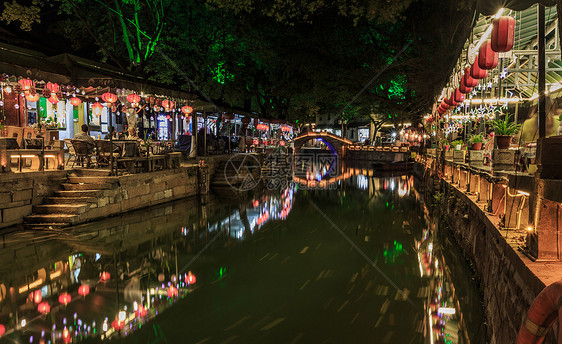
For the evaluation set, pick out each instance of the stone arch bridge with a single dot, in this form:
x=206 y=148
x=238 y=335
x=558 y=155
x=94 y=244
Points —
x=334 y=142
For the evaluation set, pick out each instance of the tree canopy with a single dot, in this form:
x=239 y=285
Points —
x=285 y=59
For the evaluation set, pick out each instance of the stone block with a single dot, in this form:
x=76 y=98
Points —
x=476 y=158
x=503 y=160
x=179 y=191
x=5 y=197
x=449 y=155
x=16 y=214
x=21 y=195
x=459 y=156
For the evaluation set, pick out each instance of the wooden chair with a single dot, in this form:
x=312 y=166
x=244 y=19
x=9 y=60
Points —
x=71 y=152
x=104 y=150
x=83 y=150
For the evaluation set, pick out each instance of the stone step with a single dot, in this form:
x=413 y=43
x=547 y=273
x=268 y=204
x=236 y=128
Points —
x=79 y=193
x=51 y=218
x=93 y=180
x=69 y=200
x=89 y=186
x=61 y=208
x=83 y=172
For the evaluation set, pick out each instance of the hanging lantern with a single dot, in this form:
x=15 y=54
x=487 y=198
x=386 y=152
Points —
x=476 y=72
x=487 y=58
x=2 y=330
x=84 y=290
x=105 y=276
x=172 y=291
x=190 y=278
x=448 y=101
x=65 y=298
x=161 y=277
x=96 y=109
x=168 y=104
x=444 y=105
x=503 y=34
x=26 y=84
x=44 y=308
x=32 y=97
x=54 y=88
x=75 y=101
x=262 y=126
x=109 y=97
x=187 y=109
x=133 y=99
x=168 y=116
x=467 y=80
x=463 y=89
x=53 y=99
x=117 y=325
x=141 y=312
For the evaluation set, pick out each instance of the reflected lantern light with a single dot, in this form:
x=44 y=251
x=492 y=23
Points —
x=172 y=291
x=37 y=297
x=44 y=308
x=65 y=298
x=190 y=278
x=105 y=276
x=84 y=290
x=2 y=330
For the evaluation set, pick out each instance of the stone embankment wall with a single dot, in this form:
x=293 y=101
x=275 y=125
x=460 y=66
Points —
x=507 y=284
x=20 y=191
x=142 y=190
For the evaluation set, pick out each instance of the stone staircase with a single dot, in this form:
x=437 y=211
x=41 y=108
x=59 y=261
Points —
x=82 y=191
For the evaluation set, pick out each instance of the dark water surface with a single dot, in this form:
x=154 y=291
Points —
x=355 y=262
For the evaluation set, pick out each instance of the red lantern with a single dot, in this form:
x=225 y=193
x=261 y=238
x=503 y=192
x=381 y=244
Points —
x=54 y=88
x=75 y=101
x=448 y=101
x=2 y=330
x=503 y=34
x=172 y=291
x=459 y=97
x=441 y=111
x=464 y=89
x=53 y=99
x=444 y=105
x=32 y=97
x=26 y=84
x=168 y=104
x=190 y=278
x=133 y=98
x=487 y=58
x=168 y=116
x=187 y=109
x=65 y=298
x=96 y=109
x=476 y=72
x=467 y=80
x=84 y=290
x=105 y=276
x=109 y=97
x=37 y=297
x=66 y=336
x=44 y=308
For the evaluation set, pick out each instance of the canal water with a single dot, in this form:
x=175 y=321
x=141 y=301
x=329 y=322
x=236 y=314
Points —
x=356 y=259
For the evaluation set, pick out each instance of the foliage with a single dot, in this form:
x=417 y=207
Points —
x=456 y=143
x=476 y=138
x=504 y=126
x=444 y=142
x=26 y=15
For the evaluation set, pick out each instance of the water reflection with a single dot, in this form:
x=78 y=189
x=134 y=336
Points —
x=106 y=280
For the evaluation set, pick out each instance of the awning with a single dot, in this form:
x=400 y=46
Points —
x=491 y=7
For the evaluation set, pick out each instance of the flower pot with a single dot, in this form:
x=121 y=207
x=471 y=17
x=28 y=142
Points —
x=446 y=147
x=476 y=146
x=458 y=147
x=503 y=141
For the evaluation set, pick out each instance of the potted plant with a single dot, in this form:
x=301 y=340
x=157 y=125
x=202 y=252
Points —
x=476 y=141
x=457 y=144
x=504 y=130
x=445 y=144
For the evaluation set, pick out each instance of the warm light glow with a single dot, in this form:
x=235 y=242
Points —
x=446 y=310
x=32 y=97
x=55 y=274
x=75 y=101
x=522 y=193
x=488 y=30
x=530 y=228
x=122 y=316
x=96 y=109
